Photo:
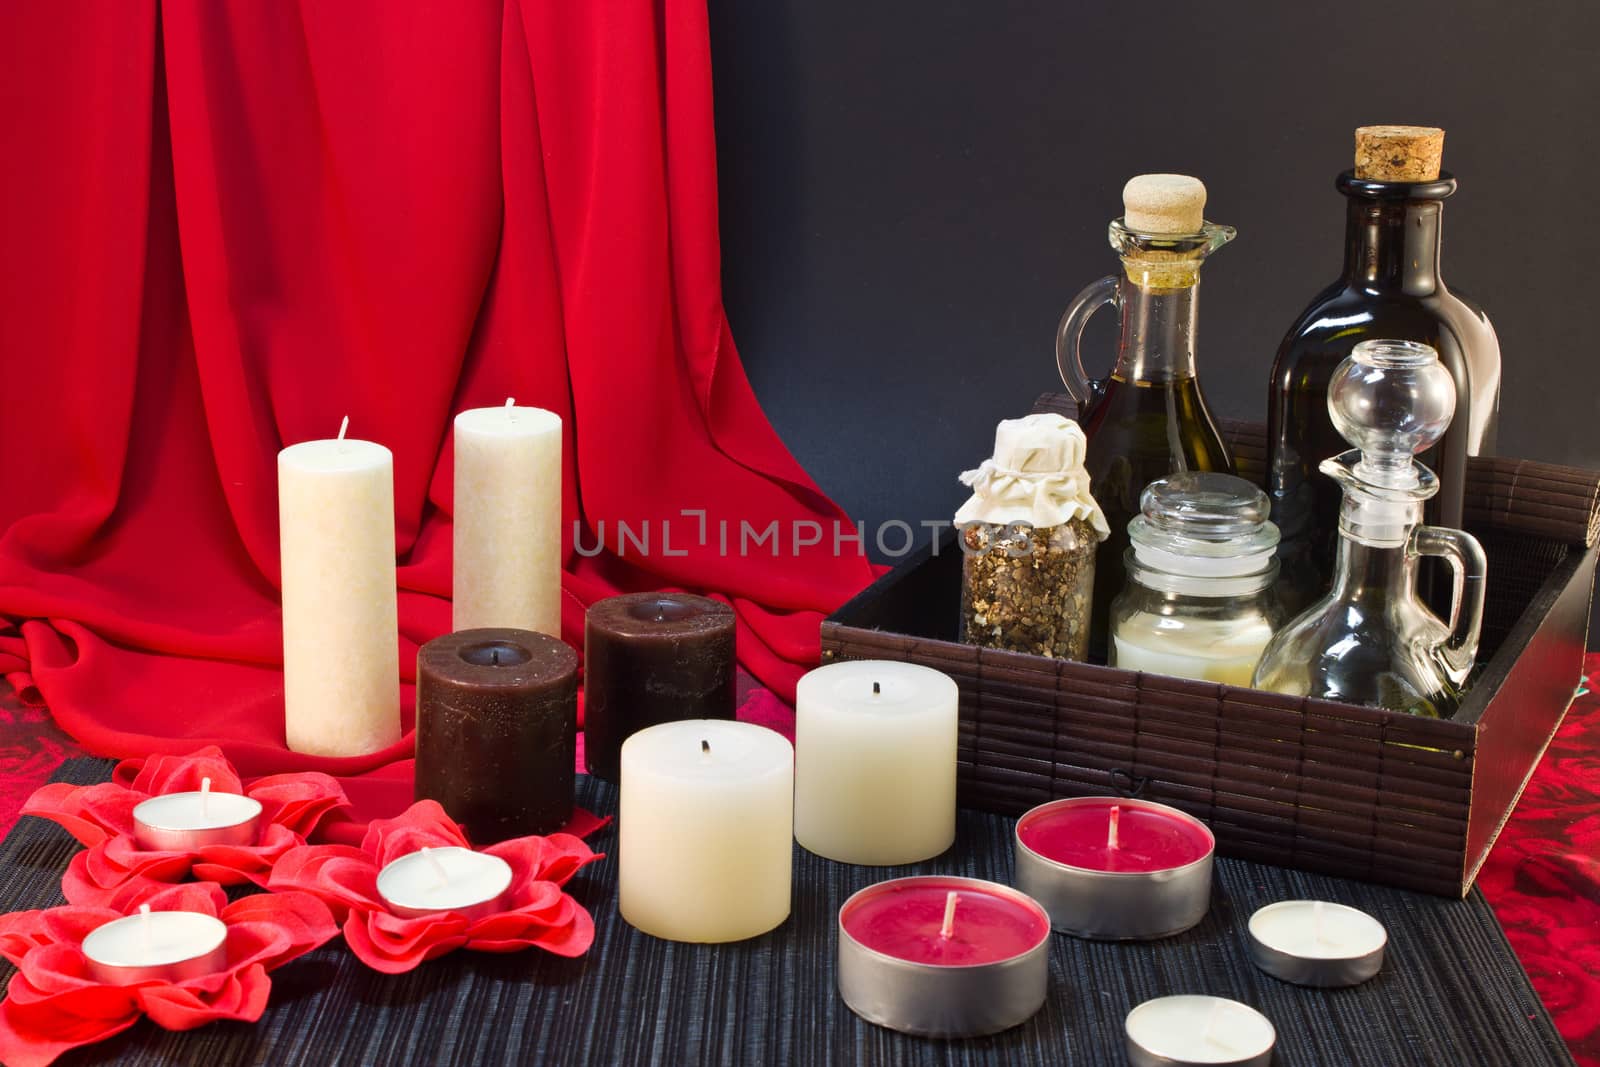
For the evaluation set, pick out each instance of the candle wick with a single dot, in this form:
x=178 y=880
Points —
x=511 y=401
x=876 y=689
x=1208 y=1036
x=343 y=426
x=205 y=797
x=705 y=751
x=948 y=928
x=1111 y=827
x=438 y=868
x=511 y=410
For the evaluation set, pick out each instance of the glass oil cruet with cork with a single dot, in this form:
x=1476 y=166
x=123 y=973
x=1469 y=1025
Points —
x=1372 y=640
x=1148 y=419
x=1199 y=601
x=1028 y=536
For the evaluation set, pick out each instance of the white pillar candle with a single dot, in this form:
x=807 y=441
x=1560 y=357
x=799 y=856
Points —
x=451 y=878
x=1181 y=1030
x=875 y=762
x=156 y=945
x=706 y=830
x=508 y=519
x=341 y=655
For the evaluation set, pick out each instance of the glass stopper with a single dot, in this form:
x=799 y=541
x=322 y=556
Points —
x=1392 y=400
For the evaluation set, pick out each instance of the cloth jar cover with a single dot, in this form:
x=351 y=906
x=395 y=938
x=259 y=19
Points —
x=1035 y=476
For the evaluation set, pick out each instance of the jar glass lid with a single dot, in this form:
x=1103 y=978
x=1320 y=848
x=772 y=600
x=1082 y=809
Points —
x=1203 y=523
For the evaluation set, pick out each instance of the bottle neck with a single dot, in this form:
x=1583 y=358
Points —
x=1392 y=245
x=1158 y=330
x=1366 y=570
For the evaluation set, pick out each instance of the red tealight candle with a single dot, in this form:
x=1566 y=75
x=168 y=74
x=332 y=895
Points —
x=1107 y=834
x=1118 y=869
x=943 y=956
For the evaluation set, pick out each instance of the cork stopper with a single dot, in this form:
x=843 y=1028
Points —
x=1164 y=204
x=1399 y=153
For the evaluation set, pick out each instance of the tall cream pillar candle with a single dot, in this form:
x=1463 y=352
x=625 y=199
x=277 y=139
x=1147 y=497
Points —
x=341 y=656
x=508 y=519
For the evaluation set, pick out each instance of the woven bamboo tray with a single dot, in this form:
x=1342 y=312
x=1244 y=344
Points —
x=1317 y=785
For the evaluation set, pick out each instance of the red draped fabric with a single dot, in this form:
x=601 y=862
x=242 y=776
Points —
x=228 y=225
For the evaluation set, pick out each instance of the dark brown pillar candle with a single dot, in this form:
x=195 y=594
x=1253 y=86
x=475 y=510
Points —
x=497 y=730
x=650 y=658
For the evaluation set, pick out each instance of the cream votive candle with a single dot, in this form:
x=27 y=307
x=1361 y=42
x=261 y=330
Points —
x=187 y=822
x=1317 y=943
x=875 y=762
x=156 y=946
x=706 y=830
x=1188 y=1031
x=448 y=879
x=1112 y=868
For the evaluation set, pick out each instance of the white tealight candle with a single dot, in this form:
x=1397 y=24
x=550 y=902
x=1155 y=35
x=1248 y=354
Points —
x=875 y=762
x=1315 y=943
x=706 y=830
x=341 y=646
x=168 y=946
x=507 y=520
x=1184 y=1030
x=433 y=880
x=184 y=822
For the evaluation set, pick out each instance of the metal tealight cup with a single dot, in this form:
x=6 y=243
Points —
x=1116 y=905
x=937 y=1000
x=1324 y=971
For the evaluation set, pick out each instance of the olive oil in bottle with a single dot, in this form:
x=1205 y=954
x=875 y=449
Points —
x=1149 y=419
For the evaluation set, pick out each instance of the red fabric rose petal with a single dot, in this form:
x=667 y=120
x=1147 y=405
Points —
x=537 y=911
x=53 y=1004
x=101 y=817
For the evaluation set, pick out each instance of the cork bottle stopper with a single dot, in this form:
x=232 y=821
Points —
x=1399 y=153
x=1164 y=204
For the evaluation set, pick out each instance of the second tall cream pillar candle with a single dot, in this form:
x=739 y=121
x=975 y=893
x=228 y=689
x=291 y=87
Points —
x=341 y=657
x=508 y=519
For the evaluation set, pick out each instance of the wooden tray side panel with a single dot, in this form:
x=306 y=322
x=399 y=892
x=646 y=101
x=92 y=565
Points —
x=1352 y=791
x=1527 y=690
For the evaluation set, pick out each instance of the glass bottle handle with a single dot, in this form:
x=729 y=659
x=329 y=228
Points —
x=1069 y=340
x=1465 y=556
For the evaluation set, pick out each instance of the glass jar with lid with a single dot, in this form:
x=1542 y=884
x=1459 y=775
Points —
x=1198 y=601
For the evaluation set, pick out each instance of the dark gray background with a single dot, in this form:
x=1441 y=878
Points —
x=913 y=190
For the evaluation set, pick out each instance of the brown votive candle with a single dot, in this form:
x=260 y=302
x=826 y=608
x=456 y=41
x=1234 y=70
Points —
x=651 y=658
x=497 y=727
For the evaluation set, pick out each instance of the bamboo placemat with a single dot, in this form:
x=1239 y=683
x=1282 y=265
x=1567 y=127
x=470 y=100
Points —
x=1451 y=992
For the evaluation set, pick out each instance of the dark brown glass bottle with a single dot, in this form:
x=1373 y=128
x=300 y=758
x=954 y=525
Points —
x=1149 y=419
x=1390 y=288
